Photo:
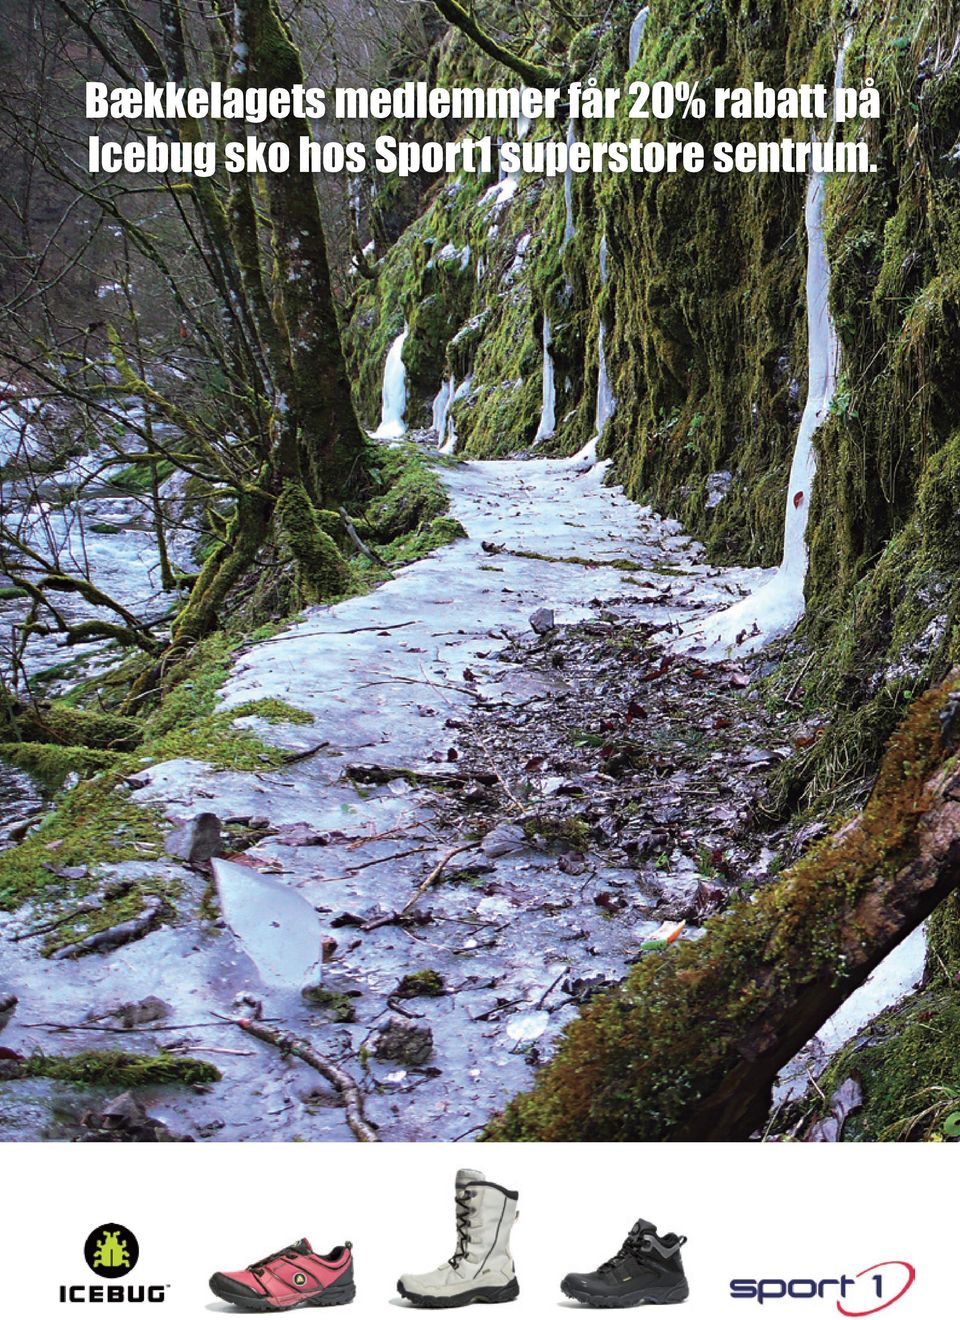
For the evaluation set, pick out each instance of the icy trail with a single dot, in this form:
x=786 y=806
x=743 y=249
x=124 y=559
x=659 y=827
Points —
x=391 y=679
x=779 y=604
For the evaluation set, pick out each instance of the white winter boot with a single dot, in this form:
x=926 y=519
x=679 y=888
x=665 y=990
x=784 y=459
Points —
x=481 y=1268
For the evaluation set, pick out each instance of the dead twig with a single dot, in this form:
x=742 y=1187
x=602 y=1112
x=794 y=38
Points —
x=335 y=1075
x=435 y=875
x=354 y=536
x=302 y=756
x=789 y=698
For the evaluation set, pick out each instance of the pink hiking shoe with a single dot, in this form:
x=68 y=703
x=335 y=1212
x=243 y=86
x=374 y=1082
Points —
x=294 y=1277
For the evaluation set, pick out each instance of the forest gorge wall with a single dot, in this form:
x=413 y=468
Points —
x=705 y=325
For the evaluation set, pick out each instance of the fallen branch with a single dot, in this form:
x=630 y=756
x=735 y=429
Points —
x=102 y=941
x=335 y=1075
x=294 y=757
x=354 y=536
x=82 y=909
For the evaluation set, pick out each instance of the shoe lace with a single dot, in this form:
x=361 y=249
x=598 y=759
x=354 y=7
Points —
x=630 y=1245
x=259 y=1266
x=463 y=1199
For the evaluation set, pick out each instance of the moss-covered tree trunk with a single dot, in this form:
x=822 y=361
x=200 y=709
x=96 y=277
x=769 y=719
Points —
x=269 y=265
x=329 y=443
x=689 y=1046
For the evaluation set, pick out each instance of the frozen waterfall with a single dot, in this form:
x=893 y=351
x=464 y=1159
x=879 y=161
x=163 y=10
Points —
x=548 y=420
x=606 y=403
x=778 y=605
x=636 y=34
x=394 y=393
x=569 y=228
x=447 y=395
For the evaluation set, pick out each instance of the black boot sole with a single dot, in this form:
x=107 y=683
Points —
x=667 y=1296
x=509 y=1292
x=336 y=1295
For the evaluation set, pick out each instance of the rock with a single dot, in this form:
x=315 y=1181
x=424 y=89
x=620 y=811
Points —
x=542 y=621
x=196 y=840
x=8 y=1003
x=403 y=1042
x=718 y=483
x=135 y=1014
x=503 y=839
x=17 y=829
x=125 y=1119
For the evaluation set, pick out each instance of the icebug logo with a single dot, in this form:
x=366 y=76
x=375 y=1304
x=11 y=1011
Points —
x=867 y=1292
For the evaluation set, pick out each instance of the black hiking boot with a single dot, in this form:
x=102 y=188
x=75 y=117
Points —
x=647 y=1268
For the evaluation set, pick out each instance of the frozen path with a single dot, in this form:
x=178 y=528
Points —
x=391 y=679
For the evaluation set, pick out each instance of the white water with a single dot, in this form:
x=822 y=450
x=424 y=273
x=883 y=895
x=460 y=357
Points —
x=394 y=393
x=778 y=605
x=548 y=420
x=636 y=33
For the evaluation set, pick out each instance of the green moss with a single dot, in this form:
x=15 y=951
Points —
x=640 y=1060
x=323 y=573
x=943 y=941
x=412 y=495
x=339 y=1007
x=273 y=711
x=117 y=1068
x=414 y=984
x=909 y=1070
x=69 y=727
x=52 y=764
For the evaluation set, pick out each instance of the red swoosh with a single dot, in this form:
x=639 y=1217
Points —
x=911 y=1275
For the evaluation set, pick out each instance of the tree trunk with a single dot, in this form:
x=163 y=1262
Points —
x=331 y=443
x=688 y=1047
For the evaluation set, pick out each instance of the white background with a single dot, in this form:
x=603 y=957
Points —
x=790 y=1211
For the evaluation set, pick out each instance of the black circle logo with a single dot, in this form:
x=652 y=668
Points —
x=299 y=1279
x=111 y=1251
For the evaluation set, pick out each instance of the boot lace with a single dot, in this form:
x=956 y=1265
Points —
x=631 y=1244
x=463 y=1199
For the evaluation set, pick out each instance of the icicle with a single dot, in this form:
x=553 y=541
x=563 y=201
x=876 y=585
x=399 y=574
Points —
x=353 y=192
x=441 y=409
x=569 y=228
x=463 y=389
x=394 y=394
x=548 y=419
x=778 y=605
x=636 y=34
x=606 y=403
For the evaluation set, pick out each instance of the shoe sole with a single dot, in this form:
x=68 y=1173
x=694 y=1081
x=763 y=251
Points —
x=679 y=1292
x=335 y=1295
x=509 y=1292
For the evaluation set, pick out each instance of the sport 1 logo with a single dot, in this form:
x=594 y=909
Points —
x=866 y=1293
